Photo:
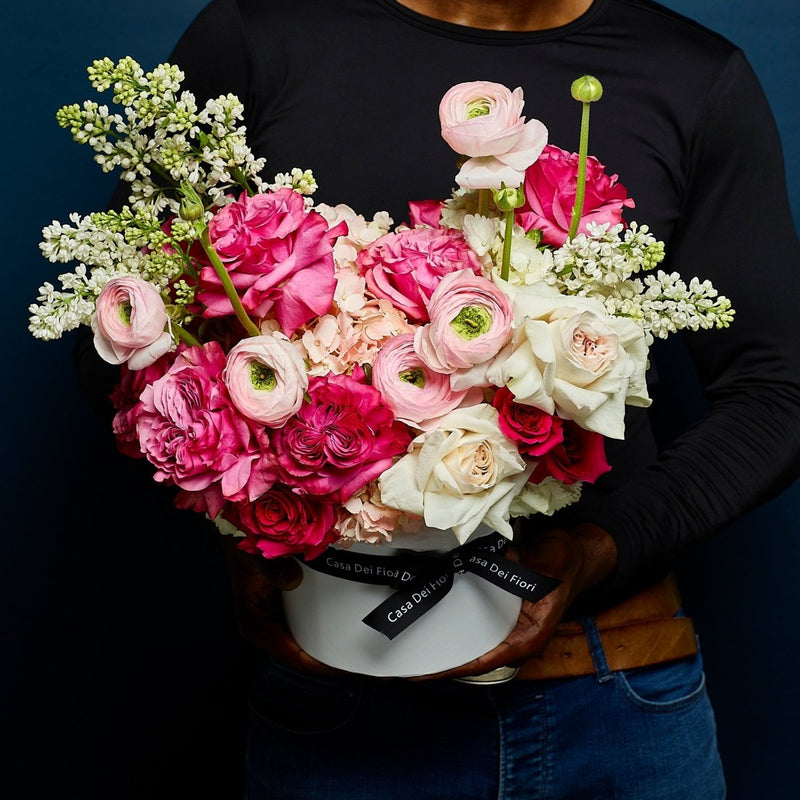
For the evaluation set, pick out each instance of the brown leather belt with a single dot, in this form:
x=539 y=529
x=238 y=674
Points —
x=639 y=632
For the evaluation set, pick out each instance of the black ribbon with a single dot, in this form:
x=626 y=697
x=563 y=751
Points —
x=423 y=579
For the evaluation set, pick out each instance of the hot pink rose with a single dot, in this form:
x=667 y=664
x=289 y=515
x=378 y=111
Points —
x=470 y=321
x=341 y=438
x=550 y=186
x=192 y=434
x=279 y=257
x=484 y=120
x=129 y=323
x=281 y=522
x=534 y=431
x=581 y=456
x=413 y=391
x=406 y=267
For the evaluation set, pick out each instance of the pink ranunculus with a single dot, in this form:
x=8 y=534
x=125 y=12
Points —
x=281 y=522
x=279 y=257
x=470 y=321
x=534 y=431
x=550 y=186
x=266 y=378
x=406 y=267
x=129 y=322
x=414 y=392
x=581 y=456
x=341 y=438
x=484 y=120
x=190 y=431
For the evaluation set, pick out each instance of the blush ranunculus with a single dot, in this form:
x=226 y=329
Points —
x=266 y=378
x=279 y=257
x=341 y=438
x=129 y=322
x=534 y=431
x=414 y=392
x=581 y=456
x=281 y=522
x=406 y=267
x=194 y=437
x=484 y=120
x=470 y=321
x=550 y=186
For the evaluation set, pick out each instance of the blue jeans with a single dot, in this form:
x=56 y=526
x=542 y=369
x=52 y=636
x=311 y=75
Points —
x=642 y=734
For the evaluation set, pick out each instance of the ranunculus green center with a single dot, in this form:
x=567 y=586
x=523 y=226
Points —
x=479 y=107
x=262 y=377
x=125 y=313
x=416 y=377
x=471 y=322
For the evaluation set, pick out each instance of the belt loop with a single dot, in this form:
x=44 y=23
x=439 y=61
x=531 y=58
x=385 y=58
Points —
x=596 y=650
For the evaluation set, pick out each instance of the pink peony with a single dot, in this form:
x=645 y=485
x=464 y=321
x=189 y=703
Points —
x=340 y=439
x=470 y=321
x=425 y=212
x=282 y=522
x=534 y=431
x=414 y=392
x=406 y=267
x=279 y=257
x=550 y=186
x=192 y=434
x=266 y=378
x=581 y=456
x=129 y=323
x=484 y=120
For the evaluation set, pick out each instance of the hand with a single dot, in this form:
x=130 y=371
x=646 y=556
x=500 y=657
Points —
x=257 y=583
x=580 y=558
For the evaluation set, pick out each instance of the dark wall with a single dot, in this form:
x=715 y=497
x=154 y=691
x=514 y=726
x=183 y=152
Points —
x=122 y=668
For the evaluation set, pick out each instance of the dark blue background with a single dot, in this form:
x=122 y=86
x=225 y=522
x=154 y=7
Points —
x=122 y=668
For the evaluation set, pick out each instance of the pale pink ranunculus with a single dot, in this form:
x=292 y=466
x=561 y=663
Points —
x=279 y=257
x=470 y=322
x=342 y=437
x=129 y=322
x=406 y=267
x=415 y=393
x=266 y=378
x=195 y=438
x=550 y=186
x=484 y=120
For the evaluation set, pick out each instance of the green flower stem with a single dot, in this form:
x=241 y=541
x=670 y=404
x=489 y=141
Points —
x=580 y=190
x=483 y=202
x=505 y=267
x=227 y=283
x=184 y=335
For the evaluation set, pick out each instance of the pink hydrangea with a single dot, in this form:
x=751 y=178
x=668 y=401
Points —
x=406 y=267
x=550 y=186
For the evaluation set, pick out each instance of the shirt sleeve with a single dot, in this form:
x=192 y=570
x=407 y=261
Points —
x=736 y=229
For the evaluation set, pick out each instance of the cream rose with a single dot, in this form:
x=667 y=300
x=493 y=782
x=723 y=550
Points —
x=462 y=474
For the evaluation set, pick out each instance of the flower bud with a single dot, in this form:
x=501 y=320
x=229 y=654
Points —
x=191 y=209
x=587 y=89
x=507 y=199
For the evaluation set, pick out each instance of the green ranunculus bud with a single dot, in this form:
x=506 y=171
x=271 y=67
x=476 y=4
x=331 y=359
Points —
x=507 y=199
x=587 y=89
x=191 y=208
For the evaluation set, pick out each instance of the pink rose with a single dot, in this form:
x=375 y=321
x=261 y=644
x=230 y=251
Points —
x=550 y=186
x=470 y=321
x=279 y=257
x=414 y=392
x=281 y=522
x=192 y=434
x=534 y=431
x=266 y=378
x=129 y=322
x=484 y=120
x=341 y=438
x=581 y=456
x=406 y=267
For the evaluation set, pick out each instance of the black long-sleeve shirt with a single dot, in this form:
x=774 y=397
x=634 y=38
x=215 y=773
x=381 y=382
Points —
x=351 y=89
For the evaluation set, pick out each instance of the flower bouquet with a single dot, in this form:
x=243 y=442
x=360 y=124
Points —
x=319 y=384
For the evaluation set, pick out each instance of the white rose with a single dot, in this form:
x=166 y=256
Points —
x=569 y=357
x=462 y=474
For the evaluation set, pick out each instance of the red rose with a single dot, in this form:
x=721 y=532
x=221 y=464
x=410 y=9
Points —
x=580 y=457
x=534 y=431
